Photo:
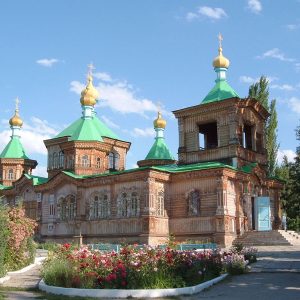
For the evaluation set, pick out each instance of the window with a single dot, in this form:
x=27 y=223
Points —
x=122 y=205
x=85 y=161
x=247 y=137
x=55 y=160
x=67 y=208
x=114 y=159
x=98 y=163
x=128 y=204
x=51 y=205
x=208 y=136
x=10 y=174
x=194 y=203
x=160 y=204
x=61 y=159
x=99 y=206
x=134 y=204
x=70 y=161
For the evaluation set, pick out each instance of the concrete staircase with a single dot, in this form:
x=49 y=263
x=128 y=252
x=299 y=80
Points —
x=269 y=238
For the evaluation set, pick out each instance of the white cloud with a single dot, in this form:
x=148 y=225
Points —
x=32 y=136
x=248 y=79
x=47 y=62
x=191 y=16
x=146 y=132
x=277 y=54
x=297 y=65
x=294 y=104
x=120 y=96
x=214 y=14
x=255 y=6
x=103 y=76
x=289 y=153
x=251 y=80
x=40 y=171
x=292 y=26
x=283 y=87
x=109 y=122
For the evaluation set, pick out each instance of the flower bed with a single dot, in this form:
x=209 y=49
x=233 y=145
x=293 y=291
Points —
x=132 y=268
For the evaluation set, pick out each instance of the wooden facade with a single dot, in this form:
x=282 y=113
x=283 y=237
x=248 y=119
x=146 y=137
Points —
x=147 y=204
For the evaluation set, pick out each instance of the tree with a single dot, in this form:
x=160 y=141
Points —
x=290 y=196
x=260 y=91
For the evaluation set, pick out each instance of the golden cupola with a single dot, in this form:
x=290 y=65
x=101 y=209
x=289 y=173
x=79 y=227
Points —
x=159 y=122
x=16 y=119
x=221 y=61
x=89 y=95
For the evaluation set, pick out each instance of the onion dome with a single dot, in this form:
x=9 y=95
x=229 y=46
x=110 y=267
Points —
x=16 y=119
x=221 y=61
x=89 y=95
x=159 y=122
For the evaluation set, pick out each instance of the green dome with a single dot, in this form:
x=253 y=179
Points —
x=88 y=129
x=14 y=149
x=221 y=91
x=159 y=150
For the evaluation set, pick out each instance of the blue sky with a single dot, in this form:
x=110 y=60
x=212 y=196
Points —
x=146 y=53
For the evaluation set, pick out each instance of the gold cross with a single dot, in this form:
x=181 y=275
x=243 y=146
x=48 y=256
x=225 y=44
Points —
x=220 y=37
x=17 y=103
x=90 y=68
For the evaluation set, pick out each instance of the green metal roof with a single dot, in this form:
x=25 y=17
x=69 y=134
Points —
x=221 y=91
x=88 y=129
x=4 y=187
x=167 y=168
x=14 y=149
x=36 y=180
x=159 y=150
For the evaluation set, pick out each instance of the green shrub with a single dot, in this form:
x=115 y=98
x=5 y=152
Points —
x=3 y=238
x=236 y=264
x=50 y=246
x=59 y=272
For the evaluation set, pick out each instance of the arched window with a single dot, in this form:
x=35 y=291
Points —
x=194 y=203
x=98 y=163
x=114 y=159
x=10 y=174
x=160 y=207
x=55 y=160
x=85 y=161
x=122 y=205
x=61 y=159
x=99 y=206
x=134 y=204
x=67 y=208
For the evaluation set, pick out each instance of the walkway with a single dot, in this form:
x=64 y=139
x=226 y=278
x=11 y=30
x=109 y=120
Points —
x=276 y=275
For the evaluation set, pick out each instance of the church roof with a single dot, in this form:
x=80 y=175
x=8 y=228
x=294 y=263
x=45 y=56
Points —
x=159 y=150
x=221 y=91
x=36 y=180
x=88 y=129
x=14 y=149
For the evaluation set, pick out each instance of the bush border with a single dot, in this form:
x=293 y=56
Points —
x=122 y=293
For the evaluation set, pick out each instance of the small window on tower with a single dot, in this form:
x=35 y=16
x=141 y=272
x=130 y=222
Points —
x=10 y=174
x=247 y=137
x=98 y=163
x=208 y=136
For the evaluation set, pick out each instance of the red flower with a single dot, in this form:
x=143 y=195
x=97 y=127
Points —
x=124 y=283
x=67 y=246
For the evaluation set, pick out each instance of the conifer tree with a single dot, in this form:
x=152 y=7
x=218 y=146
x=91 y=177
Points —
x=260 y=91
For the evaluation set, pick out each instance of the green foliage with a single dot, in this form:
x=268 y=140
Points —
x=59 y=272
x=290 y=196
x=50 y=246
x=260 y=91
x=3 y=238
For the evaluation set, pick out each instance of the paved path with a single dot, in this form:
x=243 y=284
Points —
x=276 y=275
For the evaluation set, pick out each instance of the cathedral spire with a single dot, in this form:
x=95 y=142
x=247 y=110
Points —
x=221 y=63
x=15 y=121
x=89 y=95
